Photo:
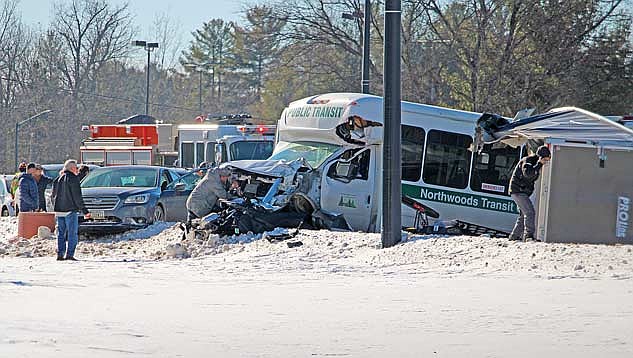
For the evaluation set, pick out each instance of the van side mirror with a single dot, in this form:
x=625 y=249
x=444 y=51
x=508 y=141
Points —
x=180 y=186
x=347 y=170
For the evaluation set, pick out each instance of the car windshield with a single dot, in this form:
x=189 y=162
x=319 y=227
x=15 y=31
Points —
x=114 y=177
x=313 y=152
x=255 y=150
x=52 y=171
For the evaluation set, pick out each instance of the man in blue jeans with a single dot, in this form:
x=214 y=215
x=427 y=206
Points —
x=68 y=203
x=521 y=187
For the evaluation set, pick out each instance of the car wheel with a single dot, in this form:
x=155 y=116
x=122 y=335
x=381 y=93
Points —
x=5 y=212
x=159 y=213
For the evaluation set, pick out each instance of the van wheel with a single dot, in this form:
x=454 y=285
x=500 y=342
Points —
x=5 y=212
x=159 y=213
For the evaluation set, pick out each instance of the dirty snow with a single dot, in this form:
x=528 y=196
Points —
x=148 y=292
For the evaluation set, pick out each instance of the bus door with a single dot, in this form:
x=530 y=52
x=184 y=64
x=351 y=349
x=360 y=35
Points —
x=348 y=186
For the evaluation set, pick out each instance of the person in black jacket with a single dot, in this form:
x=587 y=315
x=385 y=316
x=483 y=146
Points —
x=521 y=187
x=68 y=202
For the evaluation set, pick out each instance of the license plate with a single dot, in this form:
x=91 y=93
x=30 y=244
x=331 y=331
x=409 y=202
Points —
x=97 y=214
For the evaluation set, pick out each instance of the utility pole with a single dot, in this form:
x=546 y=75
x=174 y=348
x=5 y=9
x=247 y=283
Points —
x=391 y=172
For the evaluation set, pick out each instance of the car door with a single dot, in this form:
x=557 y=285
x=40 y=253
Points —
x=175 y=195
x=348 y=187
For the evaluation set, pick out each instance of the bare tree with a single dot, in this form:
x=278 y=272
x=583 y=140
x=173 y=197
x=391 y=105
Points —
x=168 y=32
x=92 y=32
x=14 y=45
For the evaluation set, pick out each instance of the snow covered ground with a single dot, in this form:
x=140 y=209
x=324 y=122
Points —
x=338 y=294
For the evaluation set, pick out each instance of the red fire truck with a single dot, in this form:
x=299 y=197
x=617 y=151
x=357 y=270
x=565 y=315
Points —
x=123 y=144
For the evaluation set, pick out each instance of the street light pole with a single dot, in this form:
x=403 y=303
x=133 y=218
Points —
x=364 y=83
x=17 y=130
x=149 y=47
x=200 y=68
x=147 y=87
x=365 y=78
x=391 y=184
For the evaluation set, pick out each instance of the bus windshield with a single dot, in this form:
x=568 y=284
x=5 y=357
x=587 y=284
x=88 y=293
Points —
x=313 y=152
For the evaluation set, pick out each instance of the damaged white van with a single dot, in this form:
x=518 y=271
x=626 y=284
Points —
x=328 y=157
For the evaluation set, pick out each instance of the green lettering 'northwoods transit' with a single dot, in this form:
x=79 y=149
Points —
x=461 y=199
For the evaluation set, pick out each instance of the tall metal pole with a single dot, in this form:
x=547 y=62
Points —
x=200 y=91
x=367 y=21
x=17 y=128
x=391 y=185
x=147 y=85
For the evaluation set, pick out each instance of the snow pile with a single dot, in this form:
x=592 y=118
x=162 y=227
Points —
x=326 y=251
x=8 y=228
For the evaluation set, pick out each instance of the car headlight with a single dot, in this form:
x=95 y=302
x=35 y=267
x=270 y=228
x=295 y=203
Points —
x=137 y=199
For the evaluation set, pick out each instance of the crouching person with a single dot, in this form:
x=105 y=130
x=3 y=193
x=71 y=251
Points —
x=204 y=197
x=68 y=203
x=521 y=187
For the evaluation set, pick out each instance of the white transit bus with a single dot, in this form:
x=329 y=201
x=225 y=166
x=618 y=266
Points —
x=440 y=166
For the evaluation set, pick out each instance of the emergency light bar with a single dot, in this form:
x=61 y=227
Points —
x=256 y=129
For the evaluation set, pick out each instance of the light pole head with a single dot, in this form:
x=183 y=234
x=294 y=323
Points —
x=139 y=43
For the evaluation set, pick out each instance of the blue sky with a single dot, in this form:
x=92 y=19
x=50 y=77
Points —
x=189 y=13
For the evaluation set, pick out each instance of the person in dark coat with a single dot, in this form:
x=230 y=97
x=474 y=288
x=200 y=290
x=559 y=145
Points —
x=42 y=182
x=68 y=203
x=28 y=196
x=521 y=187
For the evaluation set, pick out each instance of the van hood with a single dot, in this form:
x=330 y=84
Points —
x=270 y=168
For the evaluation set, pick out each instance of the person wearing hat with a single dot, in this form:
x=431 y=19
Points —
x=521 y=187
x=204 y=197
x=42 y=182
x=29 y=198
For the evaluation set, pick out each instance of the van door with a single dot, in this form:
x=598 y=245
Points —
x=348 y=186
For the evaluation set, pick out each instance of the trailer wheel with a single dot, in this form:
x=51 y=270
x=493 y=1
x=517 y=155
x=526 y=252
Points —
x=159 y=213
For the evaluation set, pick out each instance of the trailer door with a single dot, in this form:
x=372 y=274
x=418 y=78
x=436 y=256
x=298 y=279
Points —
x=348 y=186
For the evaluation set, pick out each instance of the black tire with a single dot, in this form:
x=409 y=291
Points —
x=159 y=214
x=5 y=211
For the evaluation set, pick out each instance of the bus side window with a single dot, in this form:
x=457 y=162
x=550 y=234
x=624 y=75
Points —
x=447 y=161
x=493 y=168
x=412 y=150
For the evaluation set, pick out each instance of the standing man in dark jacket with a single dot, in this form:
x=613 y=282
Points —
x=29 y=199
x=521 y=187
x=42 y=182
x=68 y=202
